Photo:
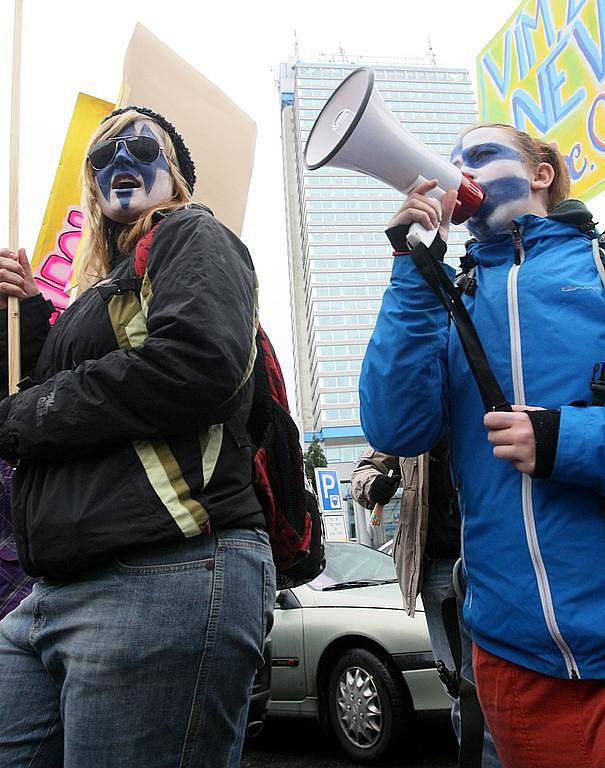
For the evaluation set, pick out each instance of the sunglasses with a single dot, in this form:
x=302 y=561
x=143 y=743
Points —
x=143 y=148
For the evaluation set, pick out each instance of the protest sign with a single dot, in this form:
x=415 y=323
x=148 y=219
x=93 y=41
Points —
x=544 y=72
x=220 y=136
x=61 y=228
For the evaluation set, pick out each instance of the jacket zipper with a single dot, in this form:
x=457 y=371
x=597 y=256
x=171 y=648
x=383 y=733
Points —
x=469 y=588
x=526 y=481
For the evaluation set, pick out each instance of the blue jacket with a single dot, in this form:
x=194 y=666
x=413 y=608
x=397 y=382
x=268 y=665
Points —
x=534 y=550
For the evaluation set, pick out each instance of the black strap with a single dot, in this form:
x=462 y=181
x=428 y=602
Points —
x=472 y=723
x=472 y=726
x=432 y=271
x=122 y=285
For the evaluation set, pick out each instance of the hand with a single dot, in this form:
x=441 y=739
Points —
x=427 y=211
x=16 y=277
x=512 y=436
x=383 y=487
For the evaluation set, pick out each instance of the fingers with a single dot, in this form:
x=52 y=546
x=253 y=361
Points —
x=427 y=211
x=424 y=187
x=505 y=430
x=12 y=274
x=11 y=289
x=24 y=262
x=527 y=408
x=507 y=452
x=6 y=253
x=423 y=211
x=499 y=419
x=419 y=208
x=448 y=205
x=513 y=438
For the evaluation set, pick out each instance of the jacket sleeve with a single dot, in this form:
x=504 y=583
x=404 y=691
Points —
x=34 y=316
x=403 y=385
x=189 y=372
x=580 y=456
x=371 y=464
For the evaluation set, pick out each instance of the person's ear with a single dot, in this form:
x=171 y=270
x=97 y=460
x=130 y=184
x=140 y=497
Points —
x=542 y=177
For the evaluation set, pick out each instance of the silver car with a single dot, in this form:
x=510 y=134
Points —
x=344 y=650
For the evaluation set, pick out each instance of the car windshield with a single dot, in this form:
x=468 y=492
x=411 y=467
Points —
x=347 y=563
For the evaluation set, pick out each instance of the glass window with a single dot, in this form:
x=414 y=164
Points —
x=340 y=350
x=353 y=562
x=330 y=366
x=337 y=320
x=330 y=382
x=335 y=398
x=326 y=306
x=351 y=334
x=340 y=414
x=347 y=290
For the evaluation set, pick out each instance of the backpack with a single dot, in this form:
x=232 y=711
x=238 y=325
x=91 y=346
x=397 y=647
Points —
x=291 y=511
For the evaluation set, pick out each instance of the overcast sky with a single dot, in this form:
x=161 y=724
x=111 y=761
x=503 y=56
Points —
x=71 y=46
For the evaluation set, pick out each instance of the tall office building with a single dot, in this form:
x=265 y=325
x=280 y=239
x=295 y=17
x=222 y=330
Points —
x=339 y=257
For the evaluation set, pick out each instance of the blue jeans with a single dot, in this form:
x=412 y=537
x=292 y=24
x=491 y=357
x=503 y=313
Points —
x=146 y=662
x=436 y=580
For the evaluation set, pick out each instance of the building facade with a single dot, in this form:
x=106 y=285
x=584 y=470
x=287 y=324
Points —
x=339 y=257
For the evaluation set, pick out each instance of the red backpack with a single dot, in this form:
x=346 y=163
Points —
x=293 y=518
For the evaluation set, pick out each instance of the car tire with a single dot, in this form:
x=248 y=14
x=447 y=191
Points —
x=369 y=707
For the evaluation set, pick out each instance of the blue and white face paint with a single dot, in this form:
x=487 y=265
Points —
x=490 y=156
x=127 y=187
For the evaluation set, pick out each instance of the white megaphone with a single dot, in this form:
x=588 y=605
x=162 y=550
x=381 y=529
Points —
x=356 y=130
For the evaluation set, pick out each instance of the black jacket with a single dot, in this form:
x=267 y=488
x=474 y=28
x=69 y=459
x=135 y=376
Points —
x=137 y=432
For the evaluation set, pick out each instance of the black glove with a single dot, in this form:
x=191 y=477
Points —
x=397 y=236
x=383 y=488
x=546 y=431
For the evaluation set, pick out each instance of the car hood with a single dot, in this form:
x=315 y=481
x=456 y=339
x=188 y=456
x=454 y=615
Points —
x=387 y=596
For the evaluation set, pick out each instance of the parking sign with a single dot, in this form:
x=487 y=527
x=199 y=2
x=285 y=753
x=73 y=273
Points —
x=328 y=489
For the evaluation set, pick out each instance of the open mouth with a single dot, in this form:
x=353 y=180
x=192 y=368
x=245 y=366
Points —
x=125 y=182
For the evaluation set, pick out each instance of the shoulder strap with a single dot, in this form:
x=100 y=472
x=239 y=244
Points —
x=432 y=271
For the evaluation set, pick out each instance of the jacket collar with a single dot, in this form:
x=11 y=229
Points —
x=569 y=219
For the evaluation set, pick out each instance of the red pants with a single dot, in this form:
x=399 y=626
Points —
x=539 y=721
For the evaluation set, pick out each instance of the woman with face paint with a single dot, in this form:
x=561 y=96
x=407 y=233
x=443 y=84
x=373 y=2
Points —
x=133 y=496
x=531 y=481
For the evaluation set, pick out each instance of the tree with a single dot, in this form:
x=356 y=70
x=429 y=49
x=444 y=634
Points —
x=314 y=456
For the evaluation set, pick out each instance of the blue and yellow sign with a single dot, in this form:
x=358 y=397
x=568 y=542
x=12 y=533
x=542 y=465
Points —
x=544 y=72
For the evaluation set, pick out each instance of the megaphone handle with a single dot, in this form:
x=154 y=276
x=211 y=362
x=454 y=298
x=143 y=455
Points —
x=418 y=234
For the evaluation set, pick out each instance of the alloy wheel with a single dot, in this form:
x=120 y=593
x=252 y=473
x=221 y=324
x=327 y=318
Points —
x=359 y=707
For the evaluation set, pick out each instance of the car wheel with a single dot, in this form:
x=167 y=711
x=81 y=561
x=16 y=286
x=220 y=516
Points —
x=368 y=707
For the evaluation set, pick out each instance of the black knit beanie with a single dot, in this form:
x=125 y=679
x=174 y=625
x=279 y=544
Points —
x=182 y=153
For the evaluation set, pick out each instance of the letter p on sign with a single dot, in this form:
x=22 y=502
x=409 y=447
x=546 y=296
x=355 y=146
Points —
x=328 y=488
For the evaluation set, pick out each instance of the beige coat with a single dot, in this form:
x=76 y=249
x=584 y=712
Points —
x=410 y=536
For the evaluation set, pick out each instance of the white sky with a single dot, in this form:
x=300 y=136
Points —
x=78 y=45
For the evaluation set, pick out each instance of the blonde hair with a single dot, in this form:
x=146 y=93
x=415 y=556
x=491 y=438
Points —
x=94 y=257
x=536 y=151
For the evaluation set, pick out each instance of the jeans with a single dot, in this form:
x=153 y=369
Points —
x=147 y=661
x=436 y=580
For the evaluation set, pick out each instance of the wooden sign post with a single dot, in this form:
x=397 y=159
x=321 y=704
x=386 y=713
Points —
x=14 y=341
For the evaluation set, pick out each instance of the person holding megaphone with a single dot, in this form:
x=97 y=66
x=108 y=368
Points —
x=529 y=476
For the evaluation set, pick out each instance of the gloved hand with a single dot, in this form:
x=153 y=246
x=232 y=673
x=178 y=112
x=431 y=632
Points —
x=383 y=488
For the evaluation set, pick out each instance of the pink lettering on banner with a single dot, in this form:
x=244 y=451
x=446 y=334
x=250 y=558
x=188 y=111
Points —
x=54 y=270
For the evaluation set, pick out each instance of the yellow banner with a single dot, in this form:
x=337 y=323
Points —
x=544 y=72
x=62 y=224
